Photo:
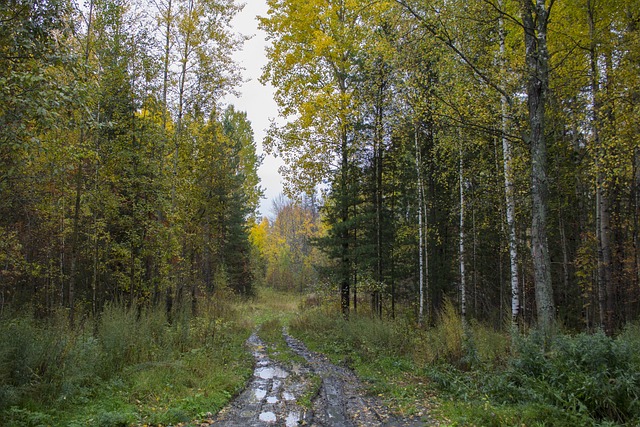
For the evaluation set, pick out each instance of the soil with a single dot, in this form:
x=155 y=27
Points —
x=275 y=395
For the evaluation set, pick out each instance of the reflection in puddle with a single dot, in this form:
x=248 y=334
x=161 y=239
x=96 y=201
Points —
x=260 y=393
x=272 y=399
x=292 y=419
x=268 y=417
x=288 y=396
x=268 y=373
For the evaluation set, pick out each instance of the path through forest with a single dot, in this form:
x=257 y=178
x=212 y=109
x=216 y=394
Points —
x=274 y=396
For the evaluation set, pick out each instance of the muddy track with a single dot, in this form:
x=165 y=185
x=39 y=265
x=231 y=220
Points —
x=272 y=395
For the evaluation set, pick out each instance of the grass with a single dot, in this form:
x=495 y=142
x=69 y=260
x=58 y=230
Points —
x=132 y=367
x=129 y=367
x=468 y=374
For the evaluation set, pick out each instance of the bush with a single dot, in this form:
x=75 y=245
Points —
x=31 y=360
x=589 y=374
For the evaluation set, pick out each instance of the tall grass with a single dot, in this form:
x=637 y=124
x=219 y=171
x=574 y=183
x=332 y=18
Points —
x=491 y=377
x=128 y=354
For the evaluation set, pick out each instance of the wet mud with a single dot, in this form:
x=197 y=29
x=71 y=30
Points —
x=270 y=398
x=272 y=395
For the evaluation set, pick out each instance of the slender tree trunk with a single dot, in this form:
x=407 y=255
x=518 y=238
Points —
x=421 y=246
x=165 y=138
x=73 y=274
x=509 y=193
x=603 y=218
x=379 y=158
x=535 y=20
x=425 y=237
x=345 y=280
x=636 y=223
x=474 y=253
x=461 y=253
x=565 y=256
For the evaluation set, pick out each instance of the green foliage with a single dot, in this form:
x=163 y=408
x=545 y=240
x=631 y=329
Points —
x=589 y=374
x=587 y=379
x=174 y=372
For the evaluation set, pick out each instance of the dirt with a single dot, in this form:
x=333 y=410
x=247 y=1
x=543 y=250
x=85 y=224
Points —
x=274 y=395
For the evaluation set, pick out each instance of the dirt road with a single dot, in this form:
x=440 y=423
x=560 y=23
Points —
x=332 y=395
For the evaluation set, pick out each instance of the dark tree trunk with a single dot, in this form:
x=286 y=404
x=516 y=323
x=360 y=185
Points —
x=535 y=19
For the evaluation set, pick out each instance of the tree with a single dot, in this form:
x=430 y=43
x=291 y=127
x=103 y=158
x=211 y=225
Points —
x=535 y=18
x=311 y=65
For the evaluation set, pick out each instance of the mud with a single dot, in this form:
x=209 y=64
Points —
x=271 y=397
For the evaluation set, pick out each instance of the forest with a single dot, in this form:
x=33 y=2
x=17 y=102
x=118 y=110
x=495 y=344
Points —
x=460 y=226
x=482 y=151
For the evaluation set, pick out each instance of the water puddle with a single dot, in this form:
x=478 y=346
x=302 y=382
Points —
x=260 y=394
x=268 y=417
x=272 y=399
x=270 y=372
x=288 y=396
x=292 y=419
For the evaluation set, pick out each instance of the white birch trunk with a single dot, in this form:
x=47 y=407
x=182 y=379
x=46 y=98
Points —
x=421 y=248
x=463 y=290
x=509 y=190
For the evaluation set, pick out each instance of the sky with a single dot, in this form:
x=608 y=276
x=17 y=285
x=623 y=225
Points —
x=256 y=99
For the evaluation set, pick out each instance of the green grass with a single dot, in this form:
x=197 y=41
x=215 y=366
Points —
x=133 y=367
x=129 y=368
x=472 y=375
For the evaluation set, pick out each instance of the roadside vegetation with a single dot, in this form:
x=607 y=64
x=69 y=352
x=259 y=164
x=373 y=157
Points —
x=473 y=375
x=126 y=367
x=134 y=366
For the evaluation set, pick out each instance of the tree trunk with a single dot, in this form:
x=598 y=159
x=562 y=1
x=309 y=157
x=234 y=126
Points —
x=345 y=279
x=379 y=158
x=461 y=253
x=510 y=203
x=535 y=20
x=636 y=222
x=603 y=217
x=421 y=246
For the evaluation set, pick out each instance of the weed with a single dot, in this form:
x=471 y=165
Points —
x=306 y=399
x=53 y=375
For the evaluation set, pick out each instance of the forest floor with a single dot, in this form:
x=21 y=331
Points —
x=305 y=390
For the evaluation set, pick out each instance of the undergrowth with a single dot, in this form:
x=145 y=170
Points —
x=130 y=366
x=484 y=377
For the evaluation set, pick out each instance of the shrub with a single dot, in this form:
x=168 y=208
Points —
x=589 y=374
x=31 y=360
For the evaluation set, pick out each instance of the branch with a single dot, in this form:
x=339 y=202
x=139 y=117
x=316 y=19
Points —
x=450 y=44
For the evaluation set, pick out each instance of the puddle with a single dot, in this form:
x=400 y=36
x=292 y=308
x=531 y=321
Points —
x=268 y=372
x=268 y=417
x=272 y=399
x=292 y=419
x=288 y=396
x=260 y=394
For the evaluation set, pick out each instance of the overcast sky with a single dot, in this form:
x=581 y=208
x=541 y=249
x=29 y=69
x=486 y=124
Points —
x=256 y=99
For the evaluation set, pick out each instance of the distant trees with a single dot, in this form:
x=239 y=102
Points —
x=290 y=261
x=122 y=178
